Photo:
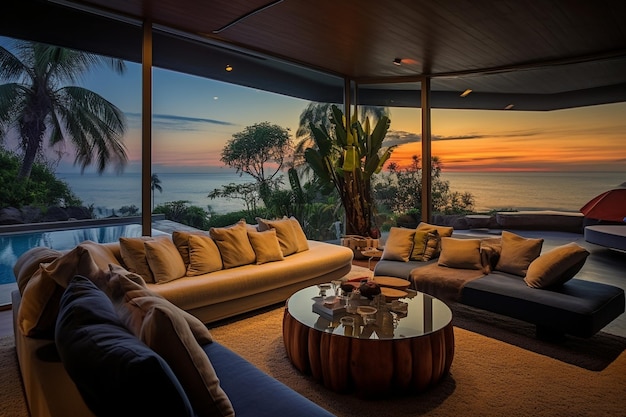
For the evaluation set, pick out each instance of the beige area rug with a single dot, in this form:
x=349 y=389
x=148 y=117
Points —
x=12 y=402
x=488 y=377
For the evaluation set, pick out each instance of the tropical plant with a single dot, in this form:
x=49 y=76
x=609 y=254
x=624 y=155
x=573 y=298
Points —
x=155 y=184
x=345 y=158
x=36 y=105
x=399 y=190
x=261 y=151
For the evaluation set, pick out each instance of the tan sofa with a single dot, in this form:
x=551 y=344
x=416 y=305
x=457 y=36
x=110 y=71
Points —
x=210 y=297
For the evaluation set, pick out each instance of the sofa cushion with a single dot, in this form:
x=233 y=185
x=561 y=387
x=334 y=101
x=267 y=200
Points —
x=266 y=246
x=442 y=231
x=164 y=261
x=460 y=253
x=111 y=368
x=232 y=241
x=40 y=301
x=556 y=266
x=133 y=254
x=125 y=286
x=399 y=244
x=517 y=253
x=204 y=255
x=166 y=332
x=181 y=241
x=29 y=262
x=289 y=232
x=423 y=243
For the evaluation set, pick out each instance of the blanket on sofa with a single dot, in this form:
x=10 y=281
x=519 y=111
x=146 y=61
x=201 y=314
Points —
x=443 y=282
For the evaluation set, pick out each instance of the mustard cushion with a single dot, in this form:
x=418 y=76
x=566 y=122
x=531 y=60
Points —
x=39 y=307
x=426 y=245
x=233 y=244
x=444 y=231
x=204 y=255
x=181 y=240
x=284 y=231
x=134 y=256
x=517 y=253
x=167 y=333
x=164 y=260
x=556 y=266
x=266 y=246
x=460 y=253
x=399 y=244
x=301 y=240
x=29 y=262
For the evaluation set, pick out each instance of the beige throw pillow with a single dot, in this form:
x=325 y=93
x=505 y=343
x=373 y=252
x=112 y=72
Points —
x=164 y=260
x=181 y=240
x=232 y=241
x=134 y=256
x=284 y=231
x=460 y=253
x=556 y=266
x=204 y=255
x=399 y=244
x=517 y=253
x=167 y=333
x=266 y=246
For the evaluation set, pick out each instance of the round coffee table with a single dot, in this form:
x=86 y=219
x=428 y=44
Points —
x=408 y=351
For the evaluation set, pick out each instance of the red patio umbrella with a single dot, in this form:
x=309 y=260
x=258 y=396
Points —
x=608 y=206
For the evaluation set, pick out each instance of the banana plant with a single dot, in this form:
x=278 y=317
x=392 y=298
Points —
x=346 y=159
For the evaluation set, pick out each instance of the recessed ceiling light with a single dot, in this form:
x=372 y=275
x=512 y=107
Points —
x=229 y=68
x=397 y=61
x=466 y=92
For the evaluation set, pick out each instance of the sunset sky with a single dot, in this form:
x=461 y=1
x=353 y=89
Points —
x=194 y=117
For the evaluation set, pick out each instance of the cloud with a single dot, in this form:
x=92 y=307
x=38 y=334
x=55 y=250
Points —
x=399 y=137
x=173 y=122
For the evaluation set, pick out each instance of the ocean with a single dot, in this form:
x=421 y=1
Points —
x=567 y=191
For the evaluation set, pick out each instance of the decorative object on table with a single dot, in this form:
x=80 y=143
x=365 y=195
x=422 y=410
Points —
x=329 y=307
x=392 y=293
x=368 y=313
x=392 y=282
x=369 y=289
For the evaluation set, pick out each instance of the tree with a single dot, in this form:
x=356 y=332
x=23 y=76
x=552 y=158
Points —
x=36 y=105
x=261 y=151
x=346 y=158
x=155 y=184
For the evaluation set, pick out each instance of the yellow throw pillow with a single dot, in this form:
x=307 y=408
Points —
x=134 y=256
x=164 y=260
x=284 y=231
x=301 y=240
x=517 y=253
x=232 y=241
x=556 y=266
x=442 y=231
x=460 y=253
x=39 y=307
x=399 y=244
x=204 y=255
x=166 y=332
x=266 y=246
x=181 y=240
x=30 y=261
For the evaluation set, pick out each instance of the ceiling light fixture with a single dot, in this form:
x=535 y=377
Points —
x=397 y=61
x=509 y=106
x=466 y=92
x=228 y=68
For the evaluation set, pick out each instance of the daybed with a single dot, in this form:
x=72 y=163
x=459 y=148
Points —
x=507 y=275
x=239 y=281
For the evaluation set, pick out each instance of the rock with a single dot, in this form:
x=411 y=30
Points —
x=55 y=214
x=78 y=213
x=31 y=214
x=11 y=215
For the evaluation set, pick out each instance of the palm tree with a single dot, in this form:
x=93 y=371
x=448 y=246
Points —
x=36 y=105
x=155 y=184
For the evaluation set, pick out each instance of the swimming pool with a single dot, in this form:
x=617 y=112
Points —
x=12 y=246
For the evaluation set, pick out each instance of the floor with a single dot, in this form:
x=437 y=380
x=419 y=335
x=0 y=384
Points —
x=603 y=265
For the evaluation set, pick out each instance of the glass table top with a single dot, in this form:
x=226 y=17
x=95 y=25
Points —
x=424 y=314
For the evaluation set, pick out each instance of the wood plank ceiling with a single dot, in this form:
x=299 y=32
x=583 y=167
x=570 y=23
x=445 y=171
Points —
x=554 y=53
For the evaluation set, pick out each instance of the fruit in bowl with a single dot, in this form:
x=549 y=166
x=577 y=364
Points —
x=369 y=289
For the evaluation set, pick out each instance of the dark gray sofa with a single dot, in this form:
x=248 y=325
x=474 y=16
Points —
x=578 y=307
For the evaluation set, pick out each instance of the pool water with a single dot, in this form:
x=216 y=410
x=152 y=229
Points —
x=12 y=246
